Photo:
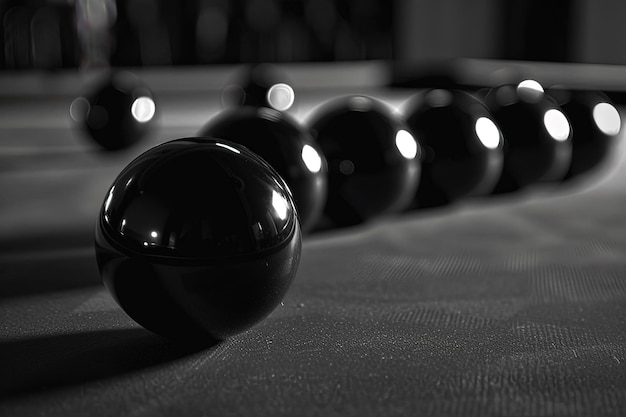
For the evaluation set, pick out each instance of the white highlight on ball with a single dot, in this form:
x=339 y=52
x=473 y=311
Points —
x=230 y=148
x=556 y=124
x=311 y=158
x=607 y=118
x=406 y=144
x=280 y=205
x=109 y=198
x=530 y=85
x=281 y=96
x=487 y=132
x=143 y=109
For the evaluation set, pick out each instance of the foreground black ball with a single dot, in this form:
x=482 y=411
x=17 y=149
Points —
x=462 y=146
x=373 y=160
x=198 y=239
x=286 y=146
x=537 y=135
x=596 y=124
x=118 y=112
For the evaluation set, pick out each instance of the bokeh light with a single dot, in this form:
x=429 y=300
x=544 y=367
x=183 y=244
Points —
x=143 y=109
x=406 y=144
x=556 y=124
x=487 y=132
x=311 y=158
x=607 y=118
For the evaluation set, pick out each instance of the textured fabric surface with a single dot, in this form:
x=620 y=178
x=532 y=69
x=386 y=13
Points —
x=503 y=307
x=498 y=307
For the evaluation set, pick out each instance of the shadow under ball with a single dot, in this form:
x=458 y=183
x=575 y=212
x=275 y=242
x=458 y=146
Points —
x=373 y=161
x=462 y=146
x=537 y=137
x=198 y=239
x=286 y=146
x=596 y=124
x=120 y=110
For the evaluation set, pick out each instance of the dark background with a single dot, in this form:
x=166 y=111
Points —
x=51 y=34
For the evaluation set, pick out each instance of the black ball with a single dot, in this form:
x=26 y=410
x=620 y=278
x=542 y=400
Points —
x=537 y=135
x=259 y=85
x=462 y=146
x=198 y=239
x=286 y=146
x=596 y=124
x=373 y=160
x=118 y=112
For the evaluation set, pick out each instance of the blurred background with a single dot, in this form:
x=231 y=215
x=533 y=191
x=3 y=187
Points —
x=56 y=34
x=53 y=176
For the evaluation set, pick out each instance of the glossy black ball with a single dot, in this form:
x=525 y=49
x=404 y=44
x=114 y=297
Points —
x=596 y=124
x=537 y=135
x=373 y=160
x=118 y=112
x=259 y=85
x=462 y=146
x=198 y=239
x=286 y=146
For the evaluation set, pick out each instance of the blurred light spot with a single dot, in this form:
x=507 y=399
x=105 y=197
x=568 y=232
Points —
x=143 y=109
x=556 y=124
x=280 y=205
x=346 y=167
x=406 y=144
x=154 y=234
x=530 y=91
x=530 y=85
x=487 y=132
x=607 y=118
x=281 y=96
x=311 y=158
x=230 y=148
x=79 y=109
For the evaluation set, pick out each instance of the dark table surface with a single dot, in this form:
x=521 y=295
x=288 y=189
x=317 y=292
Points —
x=498 y=306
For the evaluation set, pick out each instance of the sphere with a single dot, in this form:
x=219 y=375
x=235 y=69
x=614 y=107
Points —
x=373 y=160
x=462 y=146
x=118 y=112
x=596 y=124
x=286 y=146
x=259 y=85
x=198 y=239
x=537 y=135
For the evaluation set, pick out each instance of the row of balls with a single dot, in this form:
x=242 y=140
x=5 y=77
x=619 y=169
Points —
x=200 y=238
x=356 y=158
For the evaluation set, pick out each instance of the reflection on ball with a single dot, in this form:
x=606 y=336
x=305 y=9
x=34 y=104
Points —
x=198 y=239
